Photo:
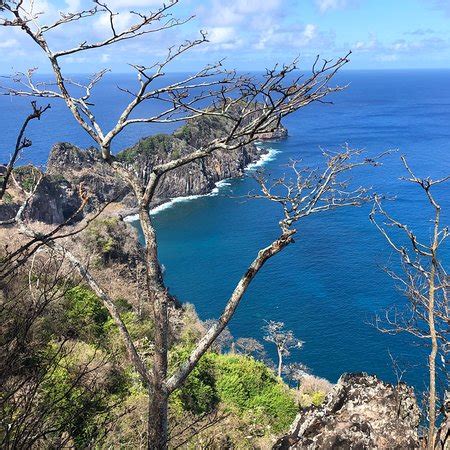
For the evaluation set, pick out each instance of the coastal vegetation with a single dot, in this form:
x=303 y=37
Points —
x=66 y=380
x=96 y=352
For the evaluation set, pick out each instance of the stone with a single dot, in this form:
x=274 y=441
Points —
x=361 y=412
x=70 y=169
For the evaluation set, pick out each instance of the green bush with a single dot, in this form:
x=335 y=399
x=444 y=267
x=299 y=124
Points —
x=241 y=384
x=78 y=401
x=248 y=385
x=100 y=237
x=84 y=314
x=7 y=198
x=198 y=393
x=318 y=398
x=150 y=146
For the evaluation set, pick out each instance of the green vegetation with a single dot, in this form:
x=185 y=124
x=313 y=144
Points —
x=158 y=144
x=7 y=197
x=85 y=314
x=241 y=385
x=100 y=237
x=88 y=392
x=79 y=405
x=248 y=385
x=165 y=145
x=66 y=359
x=26 y=176
x=312 y=391
x=110 y=241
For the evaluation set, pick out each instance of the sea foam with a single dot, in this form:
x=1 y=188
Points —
x=267 y=157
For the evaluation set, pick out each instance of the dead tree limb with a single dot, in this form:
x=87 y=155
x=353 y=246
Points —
x=21 y=143
x=425 y=284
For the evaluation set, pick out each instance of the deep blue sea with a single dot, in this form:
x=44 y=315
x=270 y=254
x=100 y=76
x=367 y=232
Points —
x=328 y=286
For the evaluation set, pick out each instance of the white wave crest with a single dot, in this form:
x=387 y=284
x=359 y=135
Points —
x=267 y=157
x=131 y=218
x=219 y=185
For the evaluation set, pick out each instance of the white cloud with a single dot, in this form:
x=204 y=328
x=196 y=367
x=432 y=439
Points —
x=387 y=58
x=366 y=46
x=427 y=45
x=310 y=31
x=224 y=37
x=144 y=4
x=122 y=21
x=420 y=32
x=219 y=35
x=298 y=37
x=248 y=12
x=73 y=5
x=400 y=48
x=9 y=43
x=332 y=5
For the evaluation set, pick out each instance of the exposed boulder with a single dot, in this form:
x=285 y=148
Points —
x=361 y=412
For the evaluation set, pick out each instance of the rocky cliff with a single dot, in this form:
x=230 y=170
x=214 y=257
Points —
x=69 y=168
x=361 y=412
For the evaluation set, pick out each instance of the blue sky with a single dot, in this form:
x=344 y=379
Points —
x=254 y=34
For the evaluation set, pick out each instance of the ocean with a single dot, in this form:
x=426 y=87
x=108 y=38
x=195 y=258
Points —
x=329 y=285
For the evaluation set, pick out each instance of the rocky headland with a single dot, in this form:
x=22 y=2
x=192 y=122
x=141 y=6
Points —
x=70 y=168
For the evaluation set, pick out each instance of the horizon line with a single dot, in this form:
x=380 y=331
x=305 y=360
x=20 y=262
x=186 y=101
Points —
x=393 y=69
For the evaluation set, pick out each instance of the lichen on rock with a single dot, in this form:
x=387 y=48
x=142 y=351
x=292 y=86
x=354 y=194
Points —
x=361 y=412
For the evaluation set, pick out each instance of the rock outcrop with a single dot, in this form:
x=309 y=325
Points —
x=70 y=169
x=361 y=412
x=280 y=133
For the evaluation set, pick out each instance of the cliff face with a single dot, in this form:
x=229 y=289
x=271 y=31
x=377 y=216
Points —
x=361 y=412
x=70 y=169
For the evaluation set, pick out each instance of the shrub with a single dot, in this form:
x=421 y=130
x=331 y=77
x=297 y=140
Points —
x=243 y=386
x=80 y=397
x=85 y=315
x=112 y=241
x=198 y=393
x=247 y=385
x=313 y=391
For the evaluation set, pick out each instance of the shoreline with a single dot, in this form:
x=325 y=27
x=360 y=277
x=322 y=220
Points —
x=262 y=161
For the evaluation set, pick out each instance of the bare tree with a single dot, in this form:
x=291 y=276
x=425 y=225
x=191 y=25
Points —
x=250 y=107
x=249 y=346
x=295 y=372
x=34 y=356
x=283 y=339
x=22 y=142
x=425 y=283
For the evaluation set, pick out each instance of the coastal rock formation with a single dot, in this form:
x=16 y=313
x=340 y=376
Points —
x=70 y=169
x=280 y=133
x=361 y=412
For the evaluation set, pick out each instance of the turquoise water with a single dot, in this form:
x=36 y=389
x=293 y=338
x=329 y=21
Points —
x=328 y=286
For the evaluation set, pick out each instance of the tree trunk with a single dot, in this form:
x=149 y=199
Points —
x=159 y=396
x=158 y=403
x=432 y=361
x=280 y=363
x=157 y=419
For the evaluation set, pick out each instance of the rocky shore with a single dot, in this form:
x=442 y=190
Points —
x=70 y=169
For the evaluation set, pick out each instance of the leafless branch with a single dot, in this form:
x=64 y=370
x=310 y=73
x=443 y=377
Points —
x=22 y=142
x=424 y=282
